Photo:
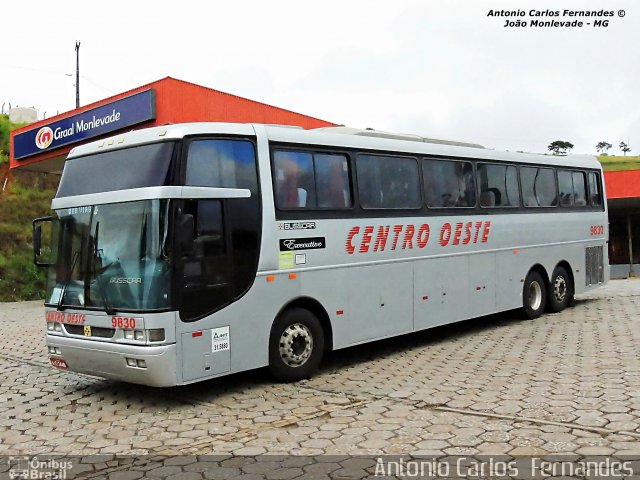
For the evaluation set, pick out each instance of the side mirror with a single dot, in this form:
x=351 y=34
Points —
x=37 y=240
x=185 y=234
x=40 y=259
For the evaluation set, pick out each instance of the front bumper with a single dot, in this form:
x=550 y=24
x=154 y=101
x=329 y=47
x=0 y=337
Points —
x=109 y=360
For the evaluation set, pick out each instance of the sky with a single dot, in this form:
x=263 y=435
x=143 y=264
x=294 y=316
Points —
x=436 y=68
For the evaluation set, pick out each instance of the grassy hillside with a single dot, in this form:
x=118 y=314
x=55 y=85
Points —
x=26 y=196
x=5 y=127
x=612 y=163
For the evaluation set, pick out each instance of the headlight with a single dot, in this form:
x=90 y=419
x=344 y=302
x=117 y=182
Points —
x=156 y=335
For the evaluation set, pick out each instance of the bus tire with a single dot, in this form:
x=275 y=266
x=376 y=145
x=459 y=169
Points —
x=534 y=295
x=560 y=292
x=296 y=345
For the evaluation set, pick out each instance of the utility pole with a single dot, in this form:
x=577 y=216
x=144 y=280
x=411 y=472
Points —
x=77 y=73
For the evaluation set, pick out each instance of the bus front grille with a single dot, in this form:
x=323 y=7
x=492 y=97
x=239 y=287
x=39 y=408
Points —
x=594 y=265
x=95 y=331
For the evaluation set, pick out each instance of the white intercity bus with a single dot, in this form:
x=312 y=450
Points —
x=191 y=251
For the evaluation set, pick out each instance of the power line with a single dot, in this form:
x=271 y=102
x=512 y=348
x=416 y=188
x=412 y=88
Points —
x=97 y=85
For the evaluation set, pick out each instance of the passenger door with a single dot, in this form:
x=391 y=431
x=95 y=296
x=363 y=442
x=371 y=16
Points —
x=207 y=280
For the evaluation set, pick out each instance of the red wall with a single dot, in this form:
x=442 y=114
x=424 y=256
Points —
x=623 y=184
x=178 y=101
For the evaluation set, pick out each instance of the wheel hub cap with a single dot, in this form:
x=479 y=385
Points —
x=296 y=345
x=535 y=295
x=560 y=288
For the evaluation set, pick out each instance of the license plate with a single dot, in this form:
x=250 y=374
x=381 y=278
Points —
x=58 y=363
x=87 y=331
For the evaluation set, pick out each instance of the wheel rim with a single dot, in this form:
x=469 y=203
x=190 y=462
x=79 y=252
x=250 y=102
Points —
x=296 y=345
x=535 y=295
x=560 y=288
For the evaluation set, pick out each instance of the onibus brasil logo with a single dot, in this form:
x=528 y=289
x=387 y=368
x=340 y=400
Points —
x=44 y=137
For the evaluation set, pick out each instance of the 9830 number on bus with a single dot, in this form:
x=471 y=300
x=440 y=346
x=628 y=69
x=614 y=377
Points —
x=123 y=322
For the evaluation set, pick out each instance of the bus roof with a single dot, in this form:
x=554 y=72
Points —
x=337 y=137
x=370 y=132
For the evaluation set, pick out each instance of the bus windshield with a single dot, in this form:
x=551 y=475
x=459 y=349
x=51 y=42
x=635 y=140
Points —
x=111 y=257
x=112 y=170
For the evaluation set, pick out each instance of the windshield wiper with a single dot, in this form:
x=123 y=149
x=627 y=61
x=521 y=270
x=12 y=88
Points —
x=66 y=283
x=95 y=253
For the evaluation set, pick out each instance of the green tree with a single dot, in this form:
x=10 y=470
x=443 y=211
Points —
x=625 y=148
x=603 y=147
x=560 y=147
x=5 y=127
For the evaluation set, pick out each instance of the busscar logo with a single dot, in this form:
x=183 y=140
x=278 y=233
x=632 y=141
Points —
x=125 y=280
x=44 y=137
x=297 y=226
x=290 y=244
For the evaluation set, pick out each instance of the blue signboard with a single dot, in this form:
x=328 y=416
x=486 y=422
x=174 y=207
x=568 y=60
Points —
x=137 y=108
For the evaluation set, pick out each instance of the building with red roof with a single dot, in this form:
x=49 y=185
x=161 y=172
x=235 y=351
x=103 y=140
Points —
x=623 y=199
x=43 y=146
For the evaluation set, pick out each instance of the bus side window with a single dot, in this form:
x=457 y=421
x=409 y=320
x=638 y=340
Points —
x=209 y=238
x=565 y=186
x=332 y=180
x=511 y=186
x=579 y=189
x=311 y=180
x=221 y=163
x=449 y=183
x=388 y=182
x=573 y=189
x=294 y=180
x=498 y=185
x=538 y=187
x=594 y=189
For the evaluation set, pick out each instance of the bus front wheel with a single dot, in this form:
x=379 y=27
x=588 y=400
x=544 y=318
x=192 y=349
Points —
x=534 y=295
x=296 y=345
x=560 y=290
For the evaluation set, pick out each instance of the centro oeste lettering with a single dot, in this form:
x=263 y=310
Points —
x=70 y=318
x=407 y=237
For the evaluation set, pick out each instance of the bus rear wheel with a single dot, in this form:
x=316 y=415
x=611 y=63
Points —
x=296 y=345
x=534 y=295
x=560 y=290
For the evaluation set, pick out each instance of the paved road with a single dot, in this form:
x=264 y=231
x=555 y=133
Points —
x=564 y=383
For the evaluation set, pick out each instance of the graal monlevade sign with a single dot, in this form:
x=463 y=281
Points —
x=137 y=108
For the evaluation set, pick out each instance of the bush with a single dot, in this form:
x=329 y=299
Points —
x=27 y=196
x=20 y=279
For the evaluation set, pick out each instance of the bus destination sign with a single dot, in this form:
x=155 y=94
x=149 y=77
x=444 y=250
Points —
x=123 y=113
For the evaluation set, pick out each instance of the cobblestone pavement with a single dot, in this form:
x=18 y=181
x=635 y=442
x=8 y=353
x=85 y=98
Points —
x=563 y=383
